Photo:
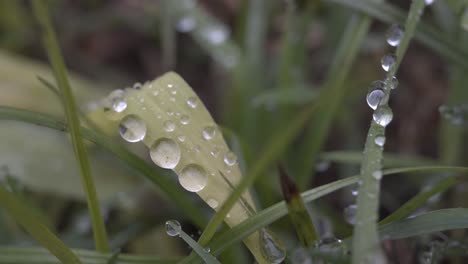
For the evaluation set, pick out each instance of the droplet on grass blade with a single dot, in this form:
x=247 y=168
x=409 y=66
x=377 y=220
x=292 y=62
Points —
x=271 y=248
x=375 y=94
x=132 y=128
x=230 y=158
x=208 y=132
x=165 y=153
x=395 y=35
x=383 y=116
x=379 y=141
x=388 y=62
x=350 y=214
x=193 y=178
x=173 y=227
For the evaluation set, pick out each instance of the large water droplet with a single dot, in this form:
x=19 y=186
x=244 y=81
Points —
x=192 y=102
x=169 y=126
x=132 y=128
x=193 y=178
x=350 y=214
x=230 y=158
x=165 y=152
x=209 y=132
x=173 y=227
x=395 y=35
x=375 y=94
x=388 y=62
x=186 y=24
x=271 y=247
x=383 y=115
x=379 y=140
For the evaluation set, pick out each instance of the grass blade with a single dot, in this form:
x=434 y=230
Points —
x=169 y=187
x=36 y=229
x=58 y=65
x=434 y=221
x=389 y=159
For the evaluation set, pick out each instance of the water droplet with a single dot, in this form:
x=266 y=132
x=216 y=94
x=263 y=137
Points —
x=322 y=165
x=192 y=102
x=173 y=227
x=119 y=105
x=215 y=34
x=350 y=214
x=156 y=93
x=169 y=126
x=208 y=250
x=196 y=148
x=132 y=128
x=181 y=138
x=165 y=153
x=193 y=178
x=330 y=246
x=213 y=203
x=185 y=119
x=186 y=24
x=380 y=141
x=375 y=94
x=429 y=2
x=230 y=158
x=170 y=113
x=383 y=115
x=215 y=151
x=393 y=82
x=354 y=192
x=271 y=247
x=137 y=86
x=377 y=174
x=388 y=62
x=170 y=85
x=395 y=35
x=209 y=132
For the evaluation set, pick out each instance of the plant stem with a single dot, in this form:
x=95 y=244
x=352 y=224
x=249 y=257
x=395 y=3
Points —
x=60 y=73
x=365 y=239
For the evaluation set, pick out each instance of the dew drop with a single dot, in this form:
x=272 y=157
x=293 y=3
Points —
x=169 y=126
x=322 y=165
x=230 y=158
x=383 y=116
x=193 y=178
x=429 y=2
x=377 y=174
x=388 y=62
x=350 y=214
x=380 y=141
x=271 y=247
x=165 y=153
x=354 y=192
x=215 y=34
x=375 y=95
x=192 y=102
x=208 y=132
x=186 y=24
x=185 y=119
x=393 y=82
x=181 y=138
x=155 y=93
x=213 y=203
x=132 y=128
x=330 y=246
x=215 y=151
x=395 y=35
x=173 y=227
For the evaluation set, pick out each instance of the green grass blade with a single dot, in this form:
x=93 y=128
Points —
x=365 y=246
x=58 y=65
x=426 y=34
x=35 y=255
x=418 y=200
x=434 y=221
x=331 y=97
x=36 y=229
x=298 y=213
x=170 y=188
x=389 y=159
x=279 y=210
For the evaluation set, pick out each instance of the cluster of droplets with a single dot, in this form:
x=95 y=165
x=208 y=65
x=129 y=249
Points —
x=457 y=114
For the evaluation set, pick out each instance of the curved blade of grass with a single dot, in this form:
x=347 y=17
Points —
x=58 y=65
x=418 y=200
x=331 y=97
x=298 y=213
x=279 y=210
x=170 y=188
x=389 y=159
x=434 y=221
x=36 y=229
x=426 y=34
x=34 y=255
x=366 y=248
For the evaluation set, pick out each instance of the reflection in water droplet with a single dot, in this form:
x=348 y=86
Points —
x=193 y=178
x=173 y=228
x=375 y=95
x=350 y=214
x=132 y=128
x=330 y=246
x=393 y=82
x=395 y=34
x=388 y=62
x=380 y=141
x=230 y=158
x=192 y=102
x=185 y=119
x=208 y=132
x=181 y=138
x=213 y=203
x=165 y=153
x=169 y=126
x=271 y=248
x=383 y=115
